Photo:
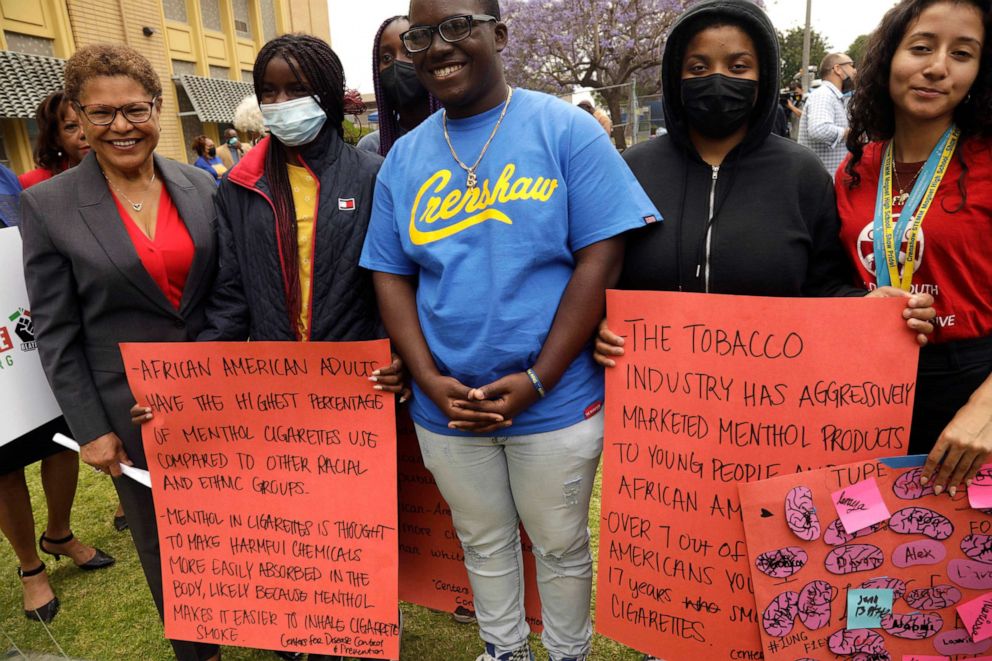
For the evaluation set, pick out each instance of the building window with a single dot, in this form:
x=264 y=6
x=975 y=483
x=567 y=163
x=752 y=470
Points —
x=210 y=11
x=242 y=19
x=268 y=20
x=183 y=68
x=175 y=10
x=23 y=43
x=220 y=72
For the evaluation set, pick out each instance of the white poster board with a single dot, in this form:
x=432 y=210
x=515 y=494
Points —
x=26 y=400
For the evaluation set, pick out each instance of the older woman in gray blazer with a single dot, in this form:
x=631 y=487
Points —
x=118 y=249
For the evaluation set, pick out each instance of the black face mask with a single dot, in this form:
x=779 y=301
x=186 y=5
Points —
x=400 y=85
x=847 y=85
x=212 y=152
x=718 y=105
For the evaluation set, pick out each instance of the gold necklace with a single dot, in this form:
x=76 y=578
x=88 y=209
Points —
x=901 y=198
x=134 y=205
x=472 y=180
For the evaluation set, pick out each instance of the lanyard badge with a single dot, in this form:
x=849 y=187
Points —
x=888 y=235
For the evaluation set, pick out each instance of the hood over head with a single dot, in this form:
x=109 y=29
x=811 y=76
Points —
x=753 y=20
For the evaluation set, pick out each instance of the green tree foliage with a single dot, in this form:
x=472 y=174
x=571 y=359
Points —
x=791 y=44
x=856 y=50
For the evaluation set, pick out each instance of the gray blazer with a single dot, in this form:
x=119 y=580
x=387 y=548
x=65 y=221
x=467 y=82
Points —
x=89 y=290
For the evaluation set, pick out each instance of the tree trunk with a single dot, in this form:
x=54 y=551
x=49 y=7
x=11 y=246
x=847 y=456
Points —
x=614 y=99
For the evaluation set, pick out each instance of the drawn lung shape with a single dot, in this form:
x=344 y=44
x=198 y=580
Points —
x=780 y=615
x=958 y=641
x=912 y=626
x=978 y=547
x=800 y=514
x=781 y=563
x=881 y=655
x=814 y=604
x=933 y=598
x=919 y=552
x=921 y=521
x=852 y=558
x=898 y=586
x=969 y=574
x=835 y=533
x=847 y=642
x=907 y=486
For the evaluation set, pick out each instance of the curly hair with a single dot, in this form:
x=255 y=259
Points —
x=872 y=112
x=248 y=117
x=109 y=60
x=199 y=144
x=49 y=116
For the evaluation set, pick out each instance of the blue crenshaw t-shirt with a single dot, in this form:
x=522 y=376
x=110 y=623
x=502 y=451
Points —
x=493 y=263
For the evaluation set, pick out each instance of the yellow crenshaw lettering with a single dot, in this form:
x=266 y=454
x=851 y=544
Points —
x=477 y=202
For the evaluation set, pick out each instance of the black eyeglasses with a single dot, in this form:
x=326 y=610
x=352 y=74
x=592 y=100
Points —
x=452 y=29
x=138 y=112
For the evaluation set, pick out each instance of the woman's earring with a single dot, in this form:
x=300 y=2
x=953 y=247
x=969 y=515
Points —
x=967 y=99
x=60 y=153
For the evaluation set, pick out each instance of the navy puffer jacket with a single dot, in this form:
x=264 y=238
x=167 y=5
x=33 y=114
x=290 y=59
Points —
x=248 y=299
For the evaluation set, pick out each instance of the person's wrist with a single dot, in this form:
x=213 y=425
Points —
x=536 y=382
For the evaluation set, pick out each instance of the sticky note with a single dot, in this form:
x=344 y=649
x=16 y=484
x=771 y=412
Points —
x=977 y=617
x=866 y=608
x=980 y=491
x=860 y=505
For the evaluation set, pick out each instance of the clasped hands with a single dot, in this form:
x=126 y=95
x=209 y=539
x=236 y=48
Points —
x=484 y=409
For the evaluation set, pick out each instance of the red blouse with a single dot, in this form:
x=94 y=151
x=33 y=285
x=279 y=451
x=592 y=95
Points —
x=36 y=176
x=168 y=256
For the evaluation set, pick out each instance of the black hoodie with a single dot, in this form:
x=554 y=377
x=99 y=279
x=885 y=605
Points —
x=774 y=228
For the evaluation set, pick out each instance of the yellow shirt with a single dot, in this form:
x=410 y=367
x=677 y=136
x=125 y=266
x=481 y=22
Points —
x=305 y=201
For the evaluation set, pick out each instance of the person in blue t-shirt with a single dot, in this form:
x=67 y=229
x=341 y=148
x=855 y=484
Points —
x=493 y=238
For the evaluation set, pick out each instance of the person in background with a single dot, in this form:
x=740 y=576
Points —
x=402 y=101
x=925 y=92
x=601 y=117
x=60 y=144
x=207 y=158
x=59 y=475
x=117 y=249
x=794 y=103
x=823 y=126
x=231 y=151
x=248 y=120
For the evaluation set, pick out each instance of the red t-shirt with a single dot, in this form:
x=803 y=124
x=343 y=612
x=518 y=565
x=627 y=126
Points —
x=954 y=250
x=36 y=176
x=168 y=256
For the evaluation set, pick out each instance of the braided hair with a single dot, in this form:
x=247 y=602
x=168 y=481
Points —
x=389 y=124
x=314 y=63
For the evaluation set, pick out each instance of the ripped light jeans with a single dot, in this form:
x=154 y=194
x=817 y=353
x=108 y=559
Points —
x=545 y=480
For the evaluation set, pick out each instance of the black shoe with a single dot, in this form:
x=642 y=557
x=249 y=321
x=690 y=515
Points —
x=44 y=613
x=120 y=523
x=463 y=615
x=289 y=656
x=100 y=560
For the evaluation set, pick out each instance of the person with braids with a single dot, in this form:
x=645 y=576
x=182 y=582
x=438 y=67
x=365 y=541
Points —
x=915 y=204
x=402 y=100
x=60 y=144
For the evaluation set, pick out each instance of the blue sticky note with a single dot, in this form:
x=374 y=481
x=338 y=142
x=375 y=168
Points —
x=866 y=608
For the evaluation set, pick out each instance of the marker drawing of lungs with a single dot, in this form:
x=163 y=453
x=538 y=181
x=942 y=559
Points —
x=780 y=615
x=800 y=514
x=814 y=604
x=908 y=486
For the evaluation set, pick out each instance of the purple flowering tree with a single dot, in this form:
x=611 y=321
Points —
x=558 y=45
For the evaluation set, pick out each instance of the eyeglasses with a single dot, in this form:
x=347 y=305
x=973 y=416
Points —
x=848 y=63
x=138 y=112
x=451 y=30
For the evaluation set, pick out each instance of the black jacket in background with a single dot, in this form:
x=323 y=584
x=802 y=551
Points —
x=775 y=230
x=248 y=300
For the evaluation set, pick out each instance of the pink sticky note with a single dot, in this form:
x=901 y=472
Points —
x=921 y=657
x=860 y=505
x=980 y=491
x=977 y=617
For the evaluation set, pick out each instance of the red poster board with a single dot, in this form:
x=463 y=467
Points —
x=715 y=391
x=273 y=469
x=432 y=566
x=933 y=553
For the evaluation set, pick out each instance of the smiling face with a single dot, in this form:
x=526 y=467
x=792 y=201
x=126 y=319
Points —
x=391 y=46
x=936 y=62
x=467 y=76
x=72 y=140
x=121 y=145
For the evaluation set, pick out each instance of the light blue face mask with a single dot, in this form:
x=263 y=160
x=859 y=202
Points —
x=295 y=122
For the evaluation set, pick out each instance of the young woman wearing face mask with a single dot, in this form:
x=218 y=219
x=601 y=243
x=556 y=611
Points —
x=925 y=96
x=746 y=212
x=402 y=101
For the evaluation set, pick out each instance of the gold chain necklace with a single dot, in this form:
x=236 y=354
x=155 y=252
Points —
x=134 y=205
x=472 y=180
x=901 y=198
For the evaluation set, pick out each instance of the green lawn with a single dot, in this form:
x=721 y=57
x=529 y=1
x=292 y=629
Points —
x=108 y=615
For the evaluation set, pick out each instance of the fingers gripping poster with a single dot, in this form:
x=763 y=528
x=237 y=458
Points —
x=714 y=391
x=916 y=584
x=273 y=469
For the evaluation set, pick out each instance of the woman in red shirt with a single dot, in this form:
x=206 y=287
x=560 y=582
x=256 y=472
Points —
x=916 y=211
x=61 y=143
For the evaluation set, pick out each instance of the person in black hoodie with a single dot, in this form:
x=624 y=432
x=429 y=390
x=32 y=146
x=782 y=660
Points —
x=746 y=212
